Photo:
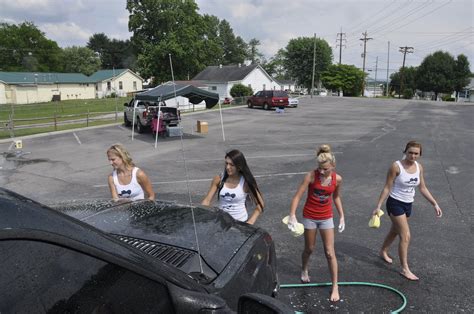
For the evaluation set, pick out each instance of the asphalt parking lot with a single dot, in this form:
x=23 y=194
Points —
x=366 y=135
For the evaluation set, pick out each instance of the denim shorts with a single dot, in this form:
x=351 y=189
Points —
x=318 y=224
x=398 y=208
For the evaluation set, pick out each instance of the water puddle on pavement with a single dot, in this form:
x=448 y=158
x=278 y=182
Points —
x=14 y=159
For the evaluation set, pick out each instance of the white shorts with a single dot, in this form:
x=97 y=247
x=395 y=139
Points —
x=318 y=224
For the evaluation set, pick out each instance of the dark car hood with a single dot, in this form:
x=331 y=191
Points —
x=219 y=237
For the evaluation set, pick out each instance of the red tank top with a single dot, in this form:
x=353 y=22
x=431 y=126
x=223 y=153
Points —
x=318 y=204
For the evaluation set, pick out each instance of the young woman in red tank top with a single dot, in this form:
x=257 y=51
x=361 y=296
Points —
x=323 y=186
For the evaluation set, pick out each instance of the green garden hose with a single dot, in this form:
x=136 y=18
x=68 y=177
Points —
x=354 y=283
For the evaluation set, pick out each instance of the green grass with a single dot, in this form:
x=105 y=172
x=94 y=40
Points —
x=66 y=110
x=30 y=131
x=65 y=107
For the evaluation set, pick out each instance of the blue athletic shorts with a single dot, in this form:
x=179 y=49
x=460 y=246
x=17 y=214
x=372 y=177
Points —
x=318 y=224
x=398 y=208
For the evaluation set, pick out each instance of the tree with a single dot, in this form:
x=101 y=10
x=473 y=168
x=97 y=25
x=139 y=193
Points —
x=24 y=47
x=99 y=42
x=235 y=48
x=299 y=59
x=343 y=77
x=80 y=60
x=436 y=73
x=462 y=74
x=240 y=90
x=276 y=66
x=409 y=83
x=210 y=32
x=253 y=54
x=163 y=28
x=113 y=53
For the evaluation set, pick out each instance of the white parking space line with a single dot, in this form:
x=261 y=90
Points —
x=77 y=138
x=254 y=157
x=209 y=179
x=296 y=143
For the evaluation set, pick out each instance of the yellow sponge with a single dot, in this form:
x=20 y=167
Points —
x=374 y=221
x=295 y=230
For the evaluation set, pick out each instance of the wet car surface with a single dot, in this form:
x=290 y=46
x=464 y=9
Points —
x=118 y=257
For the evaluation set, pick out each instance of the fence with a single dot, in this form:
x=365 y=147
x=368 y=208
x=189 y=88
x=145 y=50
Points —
x=26 y=126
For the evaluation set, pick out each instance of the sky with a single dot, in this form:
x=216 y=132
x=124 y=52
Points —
x=425 y=25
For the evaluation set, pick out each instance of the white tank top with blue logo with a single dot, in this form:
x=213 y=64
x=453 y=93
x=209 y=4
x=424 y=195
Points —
x=403 y=188
x=233 y=201
x=133 y=190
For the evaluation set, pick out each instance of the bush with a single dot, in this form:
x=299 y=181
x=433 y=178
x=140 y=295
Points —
x=447 y=98
x=240 y=90
x=407 y=93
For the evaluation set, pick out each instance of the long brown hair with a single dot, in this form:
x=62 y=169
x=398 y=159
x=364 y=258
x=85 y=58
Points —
x=240 y=163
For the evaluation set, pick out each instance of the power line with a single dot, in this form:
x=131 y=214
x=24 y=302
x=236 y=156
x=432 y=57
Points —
x=354 y=27
x=398 y=20
x=418 y=18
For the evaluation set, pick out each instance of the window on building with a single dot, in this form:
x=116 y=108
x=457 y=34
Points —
x=109 y=86
x=213 y=87
x=120 y=85
x=264 y=86
x=134 y=85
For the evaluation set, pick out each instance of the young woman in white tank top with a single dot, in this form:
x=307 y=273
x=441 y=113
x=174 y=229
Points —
x=127 y=181
x=233 y=187
x=402 y=178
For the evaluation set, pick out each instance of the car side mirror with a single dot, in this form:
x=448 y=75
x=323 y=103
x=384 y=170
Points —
x=260 y=303
x=186 y=301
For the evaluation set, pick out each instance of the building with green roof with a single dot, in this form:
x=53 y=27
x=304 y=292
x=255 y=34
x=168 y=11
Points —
x=34 y=87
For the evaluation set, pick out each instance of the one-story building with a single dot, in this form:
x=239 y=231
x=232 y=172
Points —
x=221 y=79
x=467 y=94
x=35 y=87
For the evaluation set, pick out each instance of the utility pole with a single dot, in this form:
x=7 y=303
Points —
x=365 y=39
x=388 y=65
x=375 y=80
x=314 y=65
x=340 y=44
x=403 y=50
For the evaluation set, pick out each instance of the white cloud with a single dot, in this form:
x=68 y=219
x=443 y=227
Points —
x=66 y=32
x=275 y=22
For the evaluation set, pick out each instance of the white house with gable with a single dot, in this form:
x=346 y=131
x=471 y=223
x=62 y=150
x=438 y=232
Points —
x=220 y=79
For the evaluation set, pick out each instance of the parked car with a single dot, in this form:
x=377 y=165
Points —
x=146 y=111
x=227 y=101
x=134 y=257
x=293 y=102
x=268 y=99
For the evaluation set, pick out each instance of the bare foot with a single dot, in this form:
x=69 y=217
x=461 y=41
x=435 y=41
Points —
x=386 y=257
x=409 y=275
x=335 y=294
x=304 y=276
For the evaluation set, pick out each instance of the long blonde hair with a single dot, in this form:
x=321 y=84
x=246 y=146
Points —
x=120 y=151
x=324 y=155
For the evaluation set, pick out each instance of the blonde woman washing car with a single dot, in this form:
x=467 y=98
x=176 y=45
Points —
x=323 y=185
x=127 y=181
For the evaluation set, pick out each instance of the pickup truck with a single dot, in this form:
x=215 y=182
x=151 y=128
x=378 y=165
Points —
x=146 y=111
